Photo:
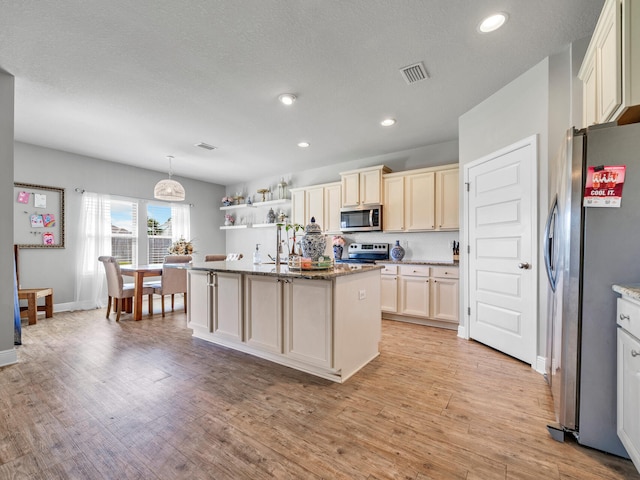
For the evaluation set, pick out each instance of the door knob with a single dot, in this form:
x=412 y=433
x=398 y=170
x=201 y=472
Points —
x=524 y=266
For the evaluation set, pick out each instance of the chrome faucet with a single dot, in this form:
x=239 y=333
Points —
x=278 y=242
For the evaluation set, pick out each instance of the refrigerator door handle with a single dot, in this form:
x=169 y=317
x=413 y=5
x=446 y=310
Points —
x=549 y=247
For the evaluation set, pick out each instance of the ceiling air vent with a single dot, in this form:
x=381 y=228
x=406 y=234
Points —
x=206 y=146
x=414 y=73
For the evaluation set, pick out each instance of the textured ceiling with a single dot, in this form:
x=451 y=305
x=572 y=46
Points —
x=134 y=81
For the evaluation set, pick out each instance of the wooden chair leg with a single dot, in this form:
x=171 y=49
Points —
x=108 y=307
x=119 y=308
x=162 y=303
x=185 y=302
x=172 y=302
x=151 y=304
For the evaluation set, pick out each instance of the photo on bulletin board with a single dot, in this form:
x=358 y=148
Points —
x=38 y=216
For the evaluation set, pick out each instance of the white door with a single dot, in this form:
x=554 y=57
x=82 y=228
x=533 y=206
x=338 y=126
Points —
x=502 y=232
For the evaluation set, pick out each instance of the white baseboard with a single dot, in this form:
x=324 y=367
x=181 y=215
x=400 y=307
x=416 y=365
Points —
x=541 y=365
x=462 y=332
x=8 y=357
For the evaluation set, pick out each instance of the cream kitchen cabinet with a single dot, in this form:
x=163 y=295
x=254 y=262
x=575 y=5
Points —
x=326 y=323
x=389 y=289
x=363 y=187
x=610 y=71
x=319 y=201
x=414 y=291
x=421 y=200
x=420 y=294
x=298 y=310
x=332 y=205
x=394 y=204
x=444 y=294
x=263 y=312
x=227 y=313
x=308 y=321
x=628 y=366
x=215 y=305
x=447 y=199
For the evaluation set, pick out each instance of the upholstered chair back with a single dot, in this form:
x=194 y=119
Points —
x=174 y=280
x=114 y=276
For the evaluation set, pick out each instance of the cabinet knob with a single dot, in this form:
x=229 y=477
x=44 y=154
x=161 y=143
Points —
x=634 y=353
x=624 y=316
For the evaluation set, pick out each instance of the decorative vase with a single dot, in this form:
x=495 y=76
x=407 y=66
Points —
x=271 y=216
x=228 y=222
x=337 y=252
x=397 y=252
x=313 y=243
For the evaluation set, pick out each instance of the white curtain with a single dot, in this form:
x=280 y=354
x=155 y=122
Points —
x=180 y=222
x=94 y=240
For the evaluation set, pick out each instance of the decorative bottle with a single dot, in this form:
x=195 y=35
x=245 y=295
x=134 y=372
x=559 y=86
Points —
x=397 y=252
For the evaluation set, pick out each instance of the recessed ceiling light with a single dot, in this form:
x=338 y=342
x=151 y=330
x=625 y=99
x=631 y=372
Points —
x=492 y=22
x=287 y=98
x=387 y=122
x=304 y=144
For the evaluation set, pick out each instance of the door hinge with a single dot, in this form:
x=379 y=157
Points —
x=469 y=311
x=468 y=185
x=468 y=248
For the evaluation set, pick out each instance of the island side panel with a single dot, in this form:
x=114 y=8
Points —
x=357 y=320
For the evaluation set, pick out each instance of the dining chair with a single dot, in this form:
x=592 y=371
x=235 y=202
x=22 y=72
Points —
x=173 y=280
x=118 y=290
x=222 y=257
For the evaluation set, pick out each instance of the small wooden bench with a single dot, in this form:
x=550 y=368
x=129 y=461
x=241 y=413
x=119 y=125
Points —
x=31 y=295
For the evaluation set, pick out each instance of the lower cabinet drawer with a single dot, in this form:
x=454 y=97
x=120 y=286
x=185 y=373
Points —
x=629 y=316
x=444 y=272
x=415 y=270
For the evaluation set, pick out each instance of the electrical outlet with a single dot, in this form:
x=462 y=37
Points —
x=362 y=294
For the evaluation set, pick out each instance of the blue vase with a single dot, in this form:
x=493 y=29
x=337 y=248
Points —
x=397 y=252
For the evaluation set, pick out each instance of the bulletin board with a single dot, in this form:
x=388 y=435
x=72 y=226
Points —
x=38 y=216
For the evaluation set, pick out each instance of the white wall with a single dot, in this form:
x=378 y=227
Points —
x=7 y=350
x=419 y=246
x=43 y=166
x=539 y=102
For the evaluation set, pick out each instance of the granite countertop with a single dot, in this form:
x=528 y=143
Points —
x=270 y=269
x=437 y=263
x=631 y=291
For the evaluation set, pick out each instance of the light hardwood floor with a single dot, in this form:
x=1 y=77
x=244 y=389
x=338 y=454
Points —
x=94 y=399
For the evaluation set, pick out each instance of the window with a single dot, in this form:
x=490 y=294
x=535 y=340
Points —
x=124 y=231
x=158 y=232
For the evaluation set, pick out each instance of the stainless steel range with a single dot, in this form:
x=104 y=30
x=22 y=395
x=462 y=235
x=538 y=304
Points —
x=366 y=253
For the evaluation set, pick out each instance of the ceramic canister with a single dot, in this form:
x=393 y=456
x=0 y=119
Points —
x=313 y=242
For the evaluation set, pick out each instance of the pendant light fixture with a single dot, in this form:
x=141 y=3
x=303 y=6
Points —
x=169 y=189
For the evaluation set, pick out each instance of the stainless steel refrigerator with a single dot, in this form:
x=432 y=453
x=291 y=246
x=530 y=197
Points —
x=586 y=251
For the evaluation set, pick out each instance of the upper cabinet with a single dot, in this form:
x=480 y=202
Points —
x=363 y=187
x=319 y=201
x=447 y=199
x=421 y=200
x=610 y=71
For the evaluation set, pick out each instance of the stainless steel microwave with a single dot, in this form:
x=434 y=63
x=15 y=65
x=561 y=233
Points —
x=368 y=219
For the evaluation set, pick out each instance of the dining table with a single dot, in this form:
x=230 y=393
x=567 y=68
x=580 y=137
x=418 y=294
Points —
x=139 y=272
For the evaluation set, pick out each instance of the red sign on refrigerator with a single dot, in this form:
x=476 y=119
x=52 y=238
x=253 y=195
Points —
x=604 y=186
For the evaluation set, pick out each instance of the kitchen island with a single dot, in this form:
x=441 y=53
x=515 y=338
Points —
x=323 y=322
